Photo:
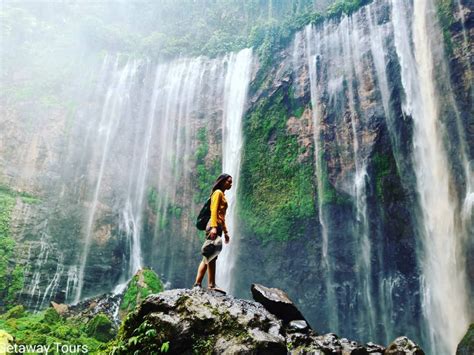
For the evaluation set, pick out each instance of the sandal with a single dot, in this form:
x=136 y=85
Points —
x=197 y=286
x=217 y=289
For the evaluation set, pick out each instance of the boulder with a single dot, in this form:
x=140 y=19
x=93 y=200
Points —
x=276 y=302
x=61 y=308
x=193 y=321
x=402 y=346
x=197 y=321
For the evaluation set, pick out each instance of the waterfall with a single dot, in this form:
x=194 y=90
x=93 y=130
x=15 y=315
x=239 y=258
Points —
x=311 y=57
x=444 y=291
x=236 y=84
x=115 y=104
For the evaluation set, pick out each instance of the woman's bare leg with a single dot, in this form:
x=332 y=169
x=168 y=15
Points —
x=201 y=272
x=211 y=275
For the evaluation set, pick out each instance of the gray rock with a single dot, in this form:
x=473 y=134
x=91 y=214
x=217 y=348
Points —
x=198 y=321
x=298 y=326
x=403 y=346
x=276 y=302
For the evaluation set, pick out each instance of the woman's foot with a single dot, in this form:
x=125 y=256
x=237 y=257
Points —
x=197 y=285
x=216 y=288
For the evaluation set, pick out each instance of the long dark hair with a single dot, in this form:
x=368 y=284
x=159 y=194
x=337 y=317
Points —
x=219 y=181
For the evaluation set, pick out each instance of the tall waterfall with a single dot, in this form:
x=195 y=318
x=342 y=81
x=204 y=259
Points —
x=140 y=152
x=352 y=84
x=236 y=84
x=116 y=104
x=445 y=303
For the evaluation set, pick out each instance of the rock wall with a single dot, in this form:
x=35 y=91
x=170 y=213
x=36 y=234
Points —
x=350 y=244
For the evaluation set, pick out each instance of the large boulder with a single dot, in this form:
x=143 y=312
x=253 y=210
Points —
x=198 y=321
x=276 y=302
x=203 y=322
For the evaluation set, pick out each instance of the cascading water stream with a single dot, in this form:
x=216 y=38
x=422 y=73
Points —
x=116 y=99
x=311 y=56
x=442 y=261
x=353 y=65
x=236 y=85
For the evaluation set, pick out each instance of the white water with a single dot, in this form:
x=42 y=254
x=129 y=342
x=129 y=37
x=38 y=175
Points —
x=445 y=303
x=115 y=104
x=312 y=38
x=235 y=94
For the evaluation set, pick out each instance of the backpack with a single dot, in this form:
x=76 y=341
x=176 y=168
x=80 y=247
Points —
x=204 y=215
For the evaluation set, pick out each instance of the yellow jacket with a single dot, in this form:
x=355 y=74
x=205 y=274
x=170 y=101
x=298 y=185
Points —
x=218 y=210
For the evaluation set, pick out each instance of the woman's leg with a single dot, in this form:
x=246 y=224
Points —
x=211 y=275
x=201 y=272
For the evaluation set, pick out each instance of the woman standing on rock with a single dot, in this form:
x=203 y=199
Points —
x=214 y=229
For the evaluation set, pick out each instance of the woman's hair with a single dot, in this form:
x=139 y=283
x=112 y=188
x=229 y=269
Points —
x=219 y=181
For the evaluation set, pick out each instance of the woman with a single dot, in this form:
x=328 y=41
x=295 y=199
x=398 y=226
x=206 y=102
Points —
x=214 y=229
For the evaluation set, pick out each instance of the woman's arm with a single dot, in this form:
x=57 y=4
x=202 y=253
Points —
x=215 y=201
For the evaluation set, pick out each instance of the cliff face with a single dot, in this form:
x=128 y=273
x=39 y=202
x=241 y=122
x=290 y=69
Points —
x=347 y=101
x=338 y=191
x=119 y=175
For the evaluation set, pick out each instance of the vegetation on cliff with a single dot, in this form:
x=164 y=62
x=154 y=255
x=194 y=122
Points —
x=276 y=191
x=11 y=273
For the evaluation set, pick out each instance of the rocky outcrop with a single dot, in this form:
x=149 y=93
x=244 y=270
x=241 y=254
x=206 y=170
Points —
x=199 y=321
x=278 y=303
x=466 y=346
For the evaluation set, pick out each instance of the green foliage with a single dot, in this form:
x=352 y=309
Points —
x=11 y=275
x=445 y=13
x=203 y=345
x=385 y=173
x=50 y=316
x=145 y=339
x=144 y=283
x=277 y=195
x=155 y=201
x=466 y=346
x=206 y=172
x=47 y=328
x=100 y=327
x=345 y=7
x=152 y=281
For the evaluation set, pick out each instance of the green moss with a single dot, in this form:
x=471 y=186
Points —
x=384 y=167
x=445 y=13
x=277 y=194
x=153 y=281
x=100 y=327
x=142 y=284
x=206 y=170
x=347 y=7
x=466 y=346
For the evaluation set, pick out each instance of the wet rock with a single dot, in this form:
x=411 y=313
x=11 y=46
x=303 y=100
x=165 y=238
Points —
x=298 y=326
x=61 y=308
x=86 y=310
x=466 y=346
x=403 y=345
x=200 y=321
x=374 y=348
x=276 y=302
